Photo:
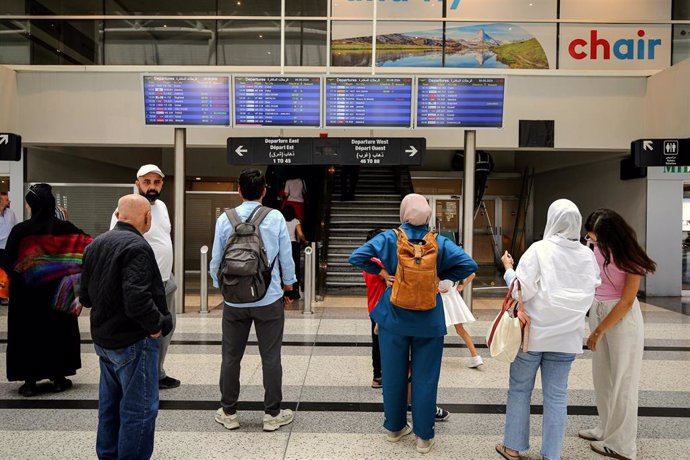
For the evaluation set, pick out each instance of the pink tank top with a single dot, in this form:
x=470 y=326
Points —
x=612 y=279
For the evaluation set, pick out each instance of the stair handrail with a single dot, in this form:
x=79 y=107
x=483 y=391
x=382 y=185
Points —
x=403 y=180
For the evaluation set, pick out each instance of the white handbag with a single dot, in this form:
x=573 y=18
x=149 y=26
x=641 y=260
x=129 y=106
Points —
x=510 y=329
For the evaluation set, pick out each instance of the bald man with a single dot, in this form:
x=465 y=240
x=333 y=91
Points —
x=122 y=285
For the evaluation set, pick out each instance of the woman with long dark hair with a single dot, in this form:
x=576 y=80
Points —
x=617 y=337
x=42 y=342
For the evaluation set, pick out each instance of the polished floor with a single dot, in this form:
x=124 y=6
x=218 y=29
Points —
x=327 y=377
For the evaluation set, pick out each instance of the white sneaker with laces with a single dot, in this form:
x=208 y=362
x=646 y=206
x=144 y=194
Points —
x=424 y=445
x=475 y=362
x=285 y=417
x=231 y=422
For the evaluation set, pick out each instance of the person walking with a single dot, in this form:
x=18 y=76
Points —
x=123 y=287
x=457 y=313
x=617 y=333
x=404 y=332
x=150 y=183
x=42 y=342
x=557 y=277
x=297 y=239
x=267 y=314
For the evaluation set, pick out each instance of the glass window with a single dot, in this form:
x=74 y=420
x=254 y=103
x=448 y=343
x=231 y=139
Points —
x=351 y=43
x=63 y=42
x=15 y=47
x=64 y=7
x=160 y=7
x=305 y=43
x=249 y=43
x=681 y=9
x=160 y=42
x=306 y=7
x=249 y=7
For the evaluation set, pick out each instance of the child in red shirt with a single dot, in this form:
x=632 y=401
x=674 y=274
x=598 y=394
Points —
x=376 y=285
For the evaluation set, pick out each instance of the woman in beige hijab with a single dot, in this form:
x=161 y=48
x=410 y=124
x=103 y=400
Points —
x=405 y=332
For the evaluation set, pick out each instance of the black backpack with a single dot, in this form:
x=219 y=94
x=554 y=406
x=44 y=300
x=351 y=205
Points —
x=245 y=274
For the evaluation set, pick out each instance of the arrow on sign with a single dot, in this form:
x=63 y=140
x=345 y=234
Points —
x=647 y=145
x=412 y=151
x=239 y=150
x=4 y=139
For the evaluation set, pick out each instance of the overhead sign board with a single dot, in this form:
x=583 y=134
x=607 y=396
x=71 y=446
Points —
x=661 y=152
x=290 y=151
x=10 y=147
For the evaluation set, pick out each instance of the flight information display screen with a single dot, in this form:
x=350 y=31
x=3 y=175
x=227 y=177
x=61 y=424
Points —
x=278 y=101
x=460 y=102
x=368 y=102
x=187 y=100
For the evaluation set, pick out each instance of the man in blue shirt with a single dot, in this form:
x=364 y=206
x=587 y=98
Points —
x=267 y=314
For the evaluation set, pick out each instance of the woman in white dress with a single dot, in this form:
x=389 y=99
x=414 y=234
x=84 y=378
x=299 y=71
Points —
x=457 y=313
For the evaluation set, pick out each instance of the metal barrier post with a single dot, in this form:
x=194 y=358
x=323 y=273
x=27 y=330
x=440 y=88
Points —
x=308 y=280
x=203 y=279
x=314 y=266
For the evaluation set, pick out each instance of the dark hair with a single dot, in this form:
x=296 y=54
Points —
x=616 y=239
x=288 y=213
x=372 y=233
x=252 y=184
x=41 y=201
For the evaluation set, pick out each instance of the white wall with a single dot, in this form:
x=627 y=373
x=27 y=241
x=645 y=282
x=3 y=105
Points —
x=106 y=108
x=667 y=115
x=8 y=100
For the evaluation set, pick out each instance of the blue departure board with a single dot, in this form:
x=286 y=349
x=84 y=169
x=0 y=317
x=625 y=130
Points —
x=368 y=102
x=460 y=102
x=278 y=101
x=187 y=100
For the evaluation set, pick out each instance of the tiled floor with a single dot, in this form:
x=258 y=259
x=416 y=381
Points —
x=327 y=373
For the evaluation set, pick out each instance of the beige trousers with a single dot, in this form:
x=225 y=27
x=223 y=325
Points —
x=616 y=367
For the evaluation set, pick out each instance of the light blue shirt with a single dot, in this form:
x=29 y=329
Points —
x=274 y=234
x=7 y=221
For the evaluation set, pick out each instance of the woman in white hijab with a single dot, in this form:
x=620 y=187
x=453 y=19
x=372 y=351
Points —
x=558 y=276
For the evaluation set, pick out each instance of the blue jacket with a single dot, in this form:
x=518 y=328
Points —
x=452 y=264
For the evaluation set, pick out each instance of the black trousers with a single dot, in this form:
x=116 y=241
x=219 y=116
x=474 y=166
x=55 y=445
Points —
x=269 y=322
x=375 y=352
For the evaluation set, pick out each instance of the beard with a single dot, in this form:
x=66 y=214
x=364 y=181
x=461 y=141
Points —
x=151 y=195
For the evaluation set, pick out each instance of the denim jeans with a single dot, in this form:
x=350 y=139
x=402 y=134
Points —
x=127 y=400
x=555 y=368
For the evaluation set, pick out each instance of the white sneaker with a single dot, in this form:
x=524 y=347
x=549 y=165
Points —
x=231 y=422
x=285 y=417
x=589 y=435
x=395 y=436
x=475 y=362
x=424 y=445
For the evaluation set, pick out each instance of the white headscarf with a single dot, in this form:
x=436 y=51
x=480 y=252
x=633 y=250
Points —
x=564 y=220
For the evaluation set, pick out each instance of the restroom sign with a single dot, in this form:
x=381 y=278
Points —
x=660 y=152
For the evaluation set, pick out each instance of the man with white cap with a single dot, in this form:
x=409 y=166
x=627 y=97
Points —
x=150 y=183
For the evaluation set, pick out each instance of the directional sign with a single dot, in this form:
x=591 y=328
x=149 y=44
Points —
x=661 y=152
x=10 y=147
x=365 y=151
x=269 y=150
x=369 y=151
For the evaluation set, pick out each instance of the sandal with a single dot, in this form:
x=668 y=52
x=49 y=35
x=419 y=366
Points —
x=502 y=450
x=601 y=449
x=377 y=382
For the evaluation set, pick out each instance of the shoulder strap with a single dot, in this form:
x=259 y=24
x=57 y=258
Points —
x=233 y=217
x=258 y=215
x=400 y=233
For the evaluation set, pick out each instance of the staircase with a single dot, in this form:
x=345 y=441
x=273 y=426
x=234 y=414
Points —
x=376 y=205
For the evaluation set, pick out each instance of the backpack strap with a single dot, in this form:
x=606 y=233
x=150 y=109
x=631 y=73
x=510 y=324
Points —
x=401 y=234
x=233 y=217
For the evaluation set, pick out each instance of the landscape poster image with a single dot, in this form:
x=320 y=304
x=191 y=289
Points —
x=466 y=45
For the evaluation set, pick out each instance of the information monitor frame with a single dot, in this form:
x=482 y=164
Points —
x=473 y=77
x=233 y=102
x=186 y=74
x=413 y=109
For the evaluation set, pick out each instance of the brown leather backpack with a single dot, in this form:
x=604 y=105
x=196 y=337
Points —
x=416 y=282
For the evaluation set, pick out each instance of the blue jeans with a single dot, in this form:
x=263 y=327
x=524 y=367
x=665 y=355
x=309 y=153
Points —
x=127 y=400
x=555 y=368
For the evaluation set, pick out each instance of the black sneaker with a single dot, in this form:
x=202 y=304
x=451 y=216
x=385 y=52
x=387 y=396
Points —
x=168 y=383
x=441 y=414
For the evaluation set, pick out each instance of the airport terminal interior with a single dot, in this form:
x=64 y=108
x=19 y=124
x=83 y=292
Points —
x=490 y=109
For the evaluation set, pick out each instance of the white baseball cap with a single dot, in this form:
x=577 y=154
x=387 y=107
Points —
x=144 y=170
